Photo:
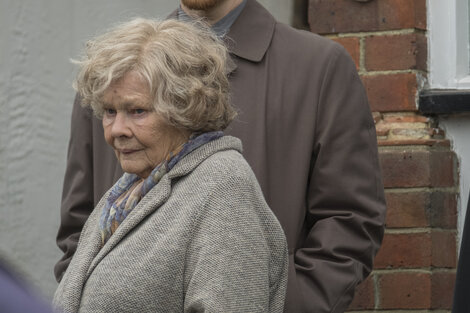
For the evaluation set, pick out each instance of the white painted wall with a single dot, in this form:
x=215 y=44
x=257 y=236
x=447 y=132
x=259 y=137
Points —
x=37 y=39
x=281 y=9
x=457 y=128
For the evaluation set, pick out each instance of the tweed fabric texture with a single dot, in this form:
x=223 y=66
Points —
x=129 y=189
x=202 y=240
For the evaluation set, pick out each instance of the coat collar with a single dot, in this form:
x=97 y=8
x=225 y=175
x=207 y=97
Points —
x=154 y=199
x=251 y=33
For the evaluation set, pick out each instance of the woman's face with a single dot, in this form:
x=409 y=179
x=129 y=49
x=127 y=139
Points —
x=140 y=138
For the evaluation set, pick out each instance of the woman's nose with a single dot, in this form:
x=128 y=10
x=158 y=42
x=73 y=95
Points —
x=120 y=126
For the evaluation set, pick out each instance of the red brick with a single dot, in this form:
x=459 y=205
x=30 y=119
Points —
x=438 y=133
x=391 y=92
x=444 y=249
x=443 y=209
x=443 y=168
x=411 y=250
x=417 y=168
x=421 y=209
x=382 y=132
x=377 y=116
x=364 y=296
x=414 y=142
x=411 y=132
x=340 y=16
x=351 y=44
x=442 y=290
x=398 y=52
x=405 y=290
x=406 y=119
x=407 y=209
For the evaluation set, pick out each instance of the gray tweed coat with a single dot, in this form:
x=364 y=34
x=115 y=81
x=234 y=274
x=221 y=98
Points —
x=202 y=240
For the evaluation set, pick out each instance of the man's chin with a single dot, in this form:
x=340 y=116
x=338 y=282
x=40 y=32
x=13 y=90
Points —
x=200 y=4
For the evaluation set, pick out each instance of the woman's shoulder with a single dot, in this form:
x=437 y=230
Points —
x=227 y=182
x=226 y=166
x=222 y=178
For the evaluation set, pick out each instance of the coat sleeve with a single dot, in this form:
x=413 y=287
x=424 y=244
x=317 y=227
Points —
x=237 y=259
x=345 y=202
x=77 y=194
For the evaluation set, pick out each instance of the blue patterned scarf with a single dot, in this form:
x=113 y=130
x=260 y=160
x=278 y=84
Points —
x=130 y=188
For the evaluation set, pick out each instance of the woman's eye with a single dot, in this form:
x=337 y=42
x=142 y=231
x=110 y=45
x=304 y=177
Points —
x=138 y=111
x=109 y=112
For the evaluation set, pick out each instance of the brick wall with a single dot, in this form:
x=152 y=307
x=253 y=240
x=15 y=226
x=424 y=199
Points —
x=415 y=268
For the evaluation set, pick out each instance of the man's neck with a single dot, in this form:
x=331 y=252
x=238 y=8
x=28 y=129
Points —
x=214 y=14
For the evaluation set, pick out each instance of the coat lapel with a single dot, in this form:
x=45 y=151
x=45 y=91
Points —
x=149 y=204
x=250 y=35
x=253 y=44
x=90 y=253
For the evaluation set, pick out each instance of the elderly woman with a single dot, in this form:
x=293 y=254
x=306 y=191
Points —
x=186 y=228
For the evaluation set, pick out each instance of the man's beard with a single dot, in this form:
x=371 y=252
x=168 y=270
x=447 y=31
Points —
x=200 y=4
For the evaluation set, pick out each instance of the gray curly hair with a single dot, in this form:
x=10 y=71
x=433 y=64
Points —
x=184 y=65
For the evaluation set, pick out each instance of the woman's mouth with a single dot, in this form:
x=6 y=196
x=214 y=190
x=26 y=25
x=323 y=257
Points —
x=128 y=151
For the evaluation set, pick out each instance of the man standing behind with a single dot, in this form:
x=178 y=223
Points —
x=308 y=134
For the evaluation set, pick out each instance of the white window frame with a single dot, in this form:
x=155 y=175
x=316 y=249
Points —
x=448 y=45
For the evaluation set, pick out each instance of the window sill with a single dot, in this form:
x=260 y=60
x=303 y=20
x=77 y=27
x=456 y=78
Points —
x=440 y=101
